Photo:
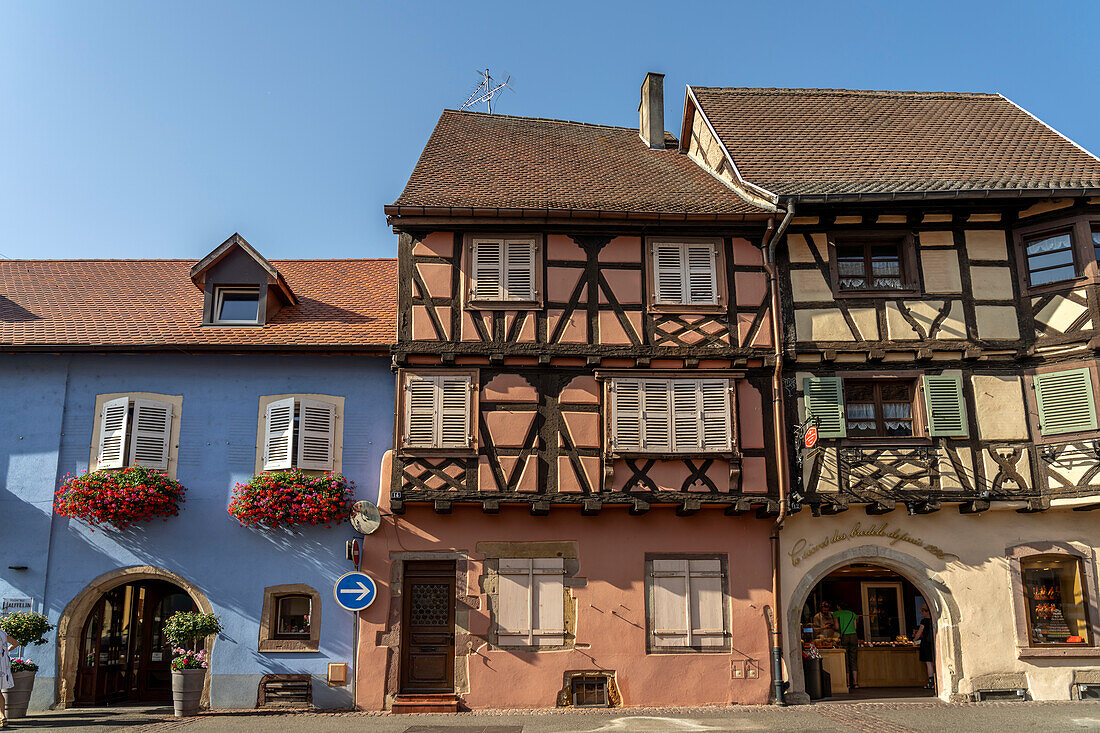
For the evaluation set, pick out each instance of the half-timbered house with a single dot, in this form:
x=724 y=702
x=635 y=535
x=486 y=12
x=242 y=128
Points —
x=583 y=481
x=939 y=297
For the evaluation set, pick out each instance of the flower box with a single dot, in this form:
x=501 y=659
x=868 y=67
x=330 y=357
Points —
x=292 y=499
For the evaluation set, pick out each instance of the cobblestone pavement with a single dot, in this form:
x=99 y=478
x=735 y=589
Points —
x=863 y=717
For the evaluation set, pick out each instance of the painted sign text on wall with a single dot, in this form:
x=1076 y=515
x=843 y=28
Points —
x=803 y=549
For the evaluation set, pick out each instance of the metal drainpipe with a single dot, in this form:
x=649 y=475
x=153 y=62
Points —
x=780 y=437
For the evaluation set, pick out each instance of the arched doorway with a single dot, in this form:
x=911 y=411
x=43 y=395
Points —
x=101 y=609
x=926 y=584
x=124 y=657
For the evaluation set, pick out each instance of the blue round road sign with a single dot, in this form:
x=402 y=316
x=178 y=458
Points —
x=354 y=591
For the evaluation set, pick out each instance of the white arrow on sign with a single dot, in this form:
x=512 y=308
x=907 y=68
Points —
x=362 y=590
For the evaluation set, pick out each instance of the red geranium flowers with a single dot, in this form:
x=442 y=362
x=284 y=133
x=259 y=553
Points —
x=289 y=498
x=119 y=498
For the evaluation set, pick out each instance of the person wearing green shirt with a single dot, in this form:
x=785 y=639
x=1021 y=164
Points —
x=846 y=625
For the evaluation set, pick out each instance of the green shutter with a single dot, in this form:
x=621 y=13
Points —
x=825 y=401
x=943 y=399
x=1065 y=401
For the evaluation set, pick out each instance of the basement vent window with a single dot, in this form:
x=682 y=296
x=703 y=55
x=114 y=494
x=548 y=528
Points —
x=286 y=691
x=1018 y=694
x=237 y=306
x=1088 y=692
x=590 y=692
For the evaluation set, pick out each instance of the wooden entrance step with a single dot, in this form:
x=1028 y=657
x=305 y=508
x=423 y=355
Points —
x=447 y=702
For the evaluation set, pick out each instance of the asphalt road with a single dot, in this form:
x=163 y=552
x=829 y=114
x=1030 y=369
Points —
x=867 y=717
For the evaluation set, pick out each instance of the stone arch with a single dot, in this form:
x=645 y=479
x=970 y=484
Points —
x=930 y=584
x=71 y=623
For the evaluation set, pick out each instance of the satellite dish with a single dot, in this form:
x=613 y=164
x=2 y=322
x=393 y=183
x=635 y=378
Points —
x=365 y=517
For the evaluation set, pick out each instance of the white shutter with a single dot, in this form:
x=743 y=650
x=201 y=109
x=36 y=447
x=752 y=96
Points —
x=514 y=602
x=454 y=413
x=316 y=434
x=420 y=411
x=519 y=270
x=150 y=434
x=626 y=415
x=112 y=433
x=668 y=273
x=671 y=610
x=656 y=416
x=702 y=286
x=547 y=601
x=708 y=627
x=715 y=398
x=488 y=269
x=278 y=434
x=686 y=415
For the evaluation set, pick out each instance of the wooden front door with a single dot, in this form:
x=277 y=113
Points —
x=428 y=627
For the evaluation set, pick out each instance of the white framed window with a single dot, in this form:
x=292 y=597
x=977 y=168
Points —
x=530 y=602
x=686 y=604
x=670 y=415
x=685 y=273
x=299 y=432
x=437 y=411
x=503 y=269
x=133 y=430
x=236 y=306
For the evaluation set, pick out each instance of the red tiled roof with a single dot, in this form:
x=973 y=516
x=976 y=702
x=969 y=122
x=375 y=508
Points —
x=345 y=304
x=838 y=141
x=478 y=160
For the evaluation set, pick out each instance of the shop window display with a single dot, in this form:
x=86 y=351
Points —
x=293 y=617
x=1055 y=600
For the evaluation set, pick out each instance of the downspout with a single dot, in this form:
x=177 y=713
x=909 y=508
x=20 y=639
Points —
x=780 y=437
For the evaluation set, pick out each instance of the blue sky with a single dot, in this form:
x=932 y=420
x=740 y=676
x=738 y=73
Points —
x=157 y=129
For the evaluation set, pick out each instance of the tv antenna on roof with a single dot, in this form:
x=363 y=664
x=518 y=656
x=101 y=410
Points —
x=485 y=90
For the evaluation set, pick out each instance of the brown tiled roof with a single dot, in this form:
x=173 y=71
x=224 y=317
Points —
x=345 y=304
x=478 y=160
x=836 y=141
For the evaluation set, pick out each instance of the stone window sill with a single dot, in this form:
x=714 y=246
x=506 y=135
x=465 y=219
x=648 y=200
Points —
x=270 y=646
x=1050 y=652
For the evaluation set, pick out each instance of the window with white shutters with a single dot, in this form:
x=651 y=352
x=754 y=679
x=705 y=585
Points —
x=686 y=604
x=685 y=273
x=299 y=432
x=503 y=269
x=670 y=416
x=531 y=602
x=134 y=431
x=437 y=411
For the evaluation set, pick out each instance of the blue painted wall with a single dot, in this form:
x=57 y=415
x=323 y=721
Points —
x=46 y=430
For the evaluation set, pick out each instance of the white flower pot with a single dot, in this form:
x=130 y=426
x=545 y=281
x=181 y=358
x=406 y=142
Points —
x=18 y=698
x=187 y=691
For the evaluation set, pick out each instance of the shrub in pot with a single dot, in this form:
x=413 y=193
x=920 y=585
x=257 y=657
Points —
x=25 y=629
x=184 y=630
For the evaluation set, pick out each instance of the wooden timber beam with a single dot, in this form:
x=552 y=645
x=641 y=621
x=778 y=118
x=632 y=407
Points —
x=973 y=507
x=689 y=507
x=540 y=508
x=591 y=507
x=881 y=506
x=443 y=506
x=639 y=507
x=490 y=506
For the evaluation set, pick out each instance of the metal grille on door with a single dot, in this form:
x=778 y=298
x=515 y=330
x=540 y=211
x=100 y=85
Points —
x=429 y=604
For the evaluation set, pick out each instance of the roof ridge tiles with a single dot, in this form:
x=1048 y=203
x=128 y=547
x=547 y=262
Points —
x=496 y=115
x=839 y=92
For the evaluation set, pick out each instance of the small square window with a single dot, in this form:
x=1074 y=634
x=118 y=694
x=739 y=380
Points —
x=292 y=617
x=237 y=305
x=879 y=408
x=870 y=266
x=1050 y=258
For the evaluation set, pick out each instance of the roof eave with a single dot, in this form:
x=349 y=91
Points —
x=396 y=212
x=956 y=194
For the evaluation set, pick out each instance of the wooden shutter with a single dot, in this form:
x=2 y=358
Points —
x=686 y=415
x=943 y=399
x=656 y=416
x=488 y=269
x=519 y=271
x=708 y=625
x=715 y=414
x=825 y=401
x=454 y=412
x=668 y=274
x=671 y=610
x=1065 y=401
x=279 y=434
x=150 y=434
x=514 y=625
x=420 y=411
x=702 y=285
x=112 y=433
x=547 y=601
x=316 y=434
x=626 y=415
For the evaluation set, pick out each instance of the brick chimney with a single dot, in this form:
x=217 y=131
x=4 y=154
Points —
x=651 y=111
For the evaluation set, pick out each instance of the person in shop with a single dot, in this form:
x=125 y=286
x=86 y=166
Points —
x=825 y=626
x=846 y=626
x=926 y=636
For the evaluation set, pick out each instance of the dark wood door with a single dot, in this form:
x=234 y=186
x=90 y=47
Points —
x=428 y=628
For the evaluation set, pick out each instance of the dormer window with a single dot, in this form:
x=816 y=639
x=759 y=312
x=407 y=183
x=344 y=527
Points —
x=237 y=306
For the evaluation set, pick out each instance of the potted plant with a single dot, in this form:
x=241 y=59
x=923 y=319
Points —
x=292 y=498
x=183 y=630
x=26 y=629
x=119 y=498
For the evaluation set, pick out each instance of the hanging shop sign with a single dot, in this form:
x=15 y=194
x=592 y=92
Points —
x=354 y=591
x=804 y=548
